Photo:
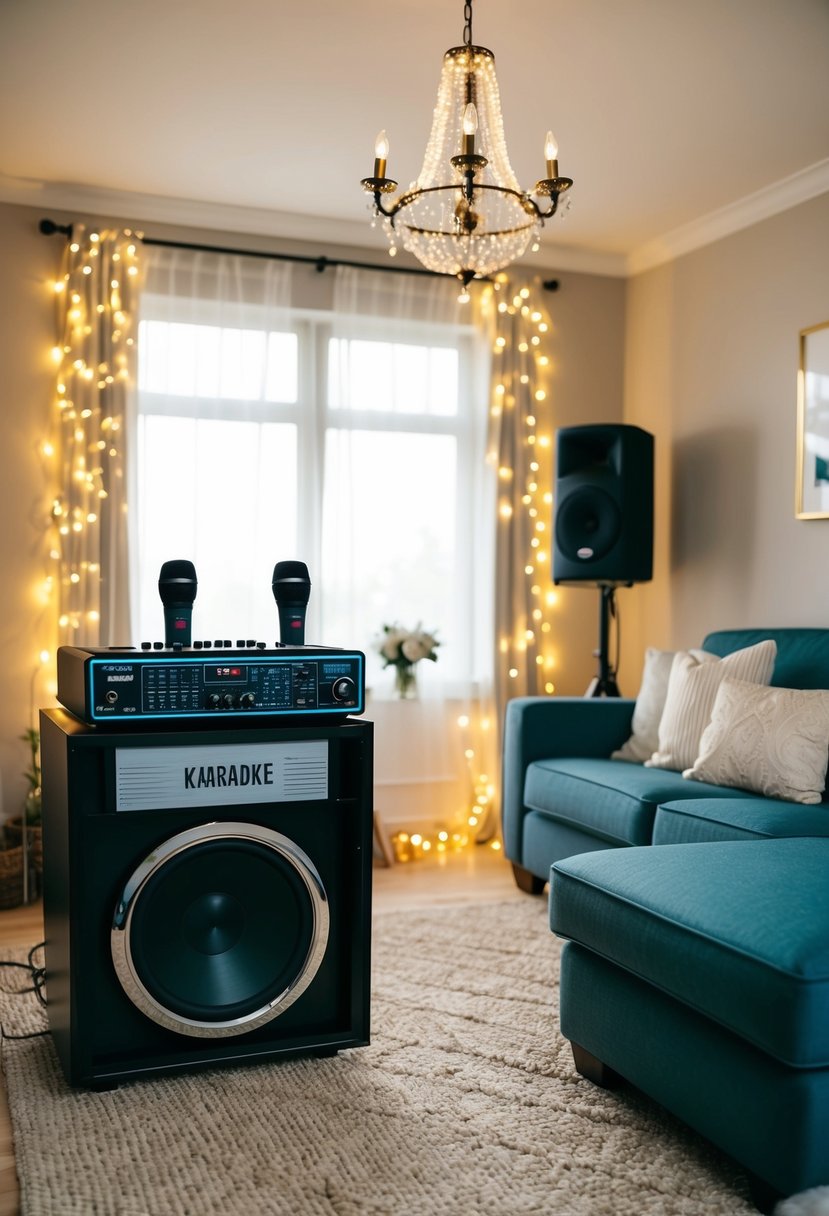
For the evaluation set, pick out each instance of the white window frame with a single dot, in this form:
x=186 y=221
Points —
x=313 y=417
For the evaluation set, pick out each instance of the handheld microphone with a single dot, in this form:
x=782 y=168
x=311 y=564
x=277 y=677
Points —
x=291 y=586
x=177 y=584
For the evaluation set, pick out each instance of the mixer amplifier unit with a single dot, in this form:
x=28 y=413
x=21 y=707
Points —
x=125 y=685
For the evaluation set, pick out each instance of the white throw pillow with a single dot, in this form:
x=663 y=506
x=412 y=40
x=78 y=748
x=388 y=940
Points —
x=650 y=702
x=692 y=691
x=774 y=741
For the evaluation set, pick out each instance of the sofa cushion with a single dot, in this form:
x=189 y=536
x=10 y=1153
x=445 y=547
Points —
x=612 y=799
x=694 y=820
x=738 y=930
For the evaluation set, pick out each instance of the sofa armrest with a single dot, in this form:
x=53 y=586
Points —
x=536 y=728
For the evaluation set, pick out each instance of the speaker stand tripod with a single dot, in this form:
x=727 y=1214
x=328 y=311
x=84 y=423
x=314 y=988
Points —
x=604 y=683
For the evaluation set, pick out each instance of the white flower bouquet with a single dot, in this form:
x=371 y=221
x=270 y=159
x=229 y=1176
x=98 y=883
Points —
x=402 y=649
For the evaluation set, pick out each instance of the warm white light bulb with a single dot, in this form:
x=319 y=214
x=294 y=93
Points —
x=550 y=147
x=381 y=146
x=470 y=120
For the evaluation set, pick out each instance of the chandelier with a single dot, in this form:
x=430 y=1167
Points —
x=466 y=215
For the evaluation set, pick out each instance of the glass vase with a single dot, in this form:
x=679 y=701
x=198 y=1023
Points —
x=405 y=681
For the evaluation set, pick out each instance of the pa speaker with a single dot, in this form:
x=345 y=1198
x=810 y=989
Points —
x=206 y=895
x=603 y=525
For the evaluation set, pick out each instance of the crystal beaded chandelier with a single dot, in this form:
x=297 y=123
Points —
x=466 y=215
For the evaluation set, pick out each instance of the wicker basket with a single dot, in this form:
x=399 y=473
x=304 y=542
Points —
x=11 y=877
x=14 y=838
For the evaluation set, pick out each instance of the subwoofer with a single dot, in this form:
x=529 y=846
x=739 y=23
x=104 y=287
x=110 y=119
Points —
x=206 y=895
x=603 y=522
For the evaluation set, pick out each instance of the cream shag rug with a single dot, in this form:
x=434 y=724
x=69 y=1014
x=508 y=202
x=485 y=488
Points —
x=465 y=1103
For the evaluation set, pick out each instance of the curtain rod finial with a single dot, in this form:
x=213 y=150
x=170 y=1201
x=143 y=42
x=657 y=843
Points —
x=49 y=228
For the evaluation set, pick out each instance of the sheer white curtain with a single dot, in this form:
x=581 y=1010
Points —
x=408 y=526
x=214 y=466
x=353 y=440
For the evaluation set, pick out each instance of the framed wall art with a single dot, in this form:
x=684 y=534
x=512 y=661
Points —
x=812 y=482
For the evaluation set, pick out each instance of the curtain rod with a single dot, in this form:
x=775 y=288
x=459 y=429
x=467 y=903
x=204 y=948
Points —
x=321 y=263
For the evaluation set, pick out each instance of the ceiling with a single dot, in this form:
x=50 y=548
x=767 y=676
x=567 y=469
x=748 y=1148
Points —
x=668 y=114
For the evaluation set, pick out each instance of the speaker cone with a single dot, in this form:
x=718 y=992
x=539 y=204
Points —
x=220 y=929
x=588 y=524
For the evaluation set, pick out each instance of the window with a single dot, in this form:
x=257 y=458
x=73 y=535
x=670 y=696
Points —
x=355 y=453
x=218 y=442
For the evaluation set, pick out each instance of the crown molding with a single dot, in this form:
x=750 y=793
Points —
x=789 y=192
x=584 y=261
x=140 y=209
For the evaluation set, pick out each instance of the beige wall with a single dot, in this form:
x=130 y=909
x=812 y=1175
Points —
x=588 y=352
x=26 y=339
x=710 y=367
x=586 y=345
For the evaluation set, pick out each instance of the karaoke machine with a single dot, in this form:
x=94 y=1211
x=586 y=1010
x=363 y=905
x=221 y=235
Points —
x=125 y=686
x=207 y=829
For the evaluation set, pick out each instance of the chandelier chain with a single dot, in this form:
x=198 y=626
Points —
x=467 y=23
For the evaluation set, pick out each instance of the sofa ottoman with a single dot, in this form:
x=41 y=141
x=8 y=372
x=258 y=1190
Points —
x=700 y=973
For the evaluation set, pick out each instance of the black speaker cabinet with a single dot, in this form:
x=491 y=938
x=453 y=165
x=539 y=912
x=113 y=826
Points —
x=603 y=522
x=206 y=895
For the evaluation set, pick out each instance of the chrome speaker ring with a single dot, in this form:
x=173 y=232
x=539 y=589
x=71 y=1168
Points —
x=174 y=848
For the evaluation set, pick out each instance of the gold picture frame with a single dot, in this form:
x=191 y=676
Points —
x=812 y=481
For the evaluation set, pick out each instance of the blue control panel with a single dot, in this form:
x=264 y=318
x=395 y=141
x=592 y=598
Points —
x=128 y=685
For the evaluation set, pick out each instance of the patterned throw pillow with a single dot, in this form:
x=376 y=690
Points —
x=774 y=741
x=692 y=691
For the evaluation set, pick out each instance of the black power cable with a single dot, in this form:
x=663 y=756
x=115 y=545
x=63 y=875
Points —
x=38 y=978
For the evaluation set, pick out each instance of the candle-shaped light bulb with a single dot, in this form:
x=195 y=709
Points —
x=381 y=153
x=470 y=126
x=551 y=155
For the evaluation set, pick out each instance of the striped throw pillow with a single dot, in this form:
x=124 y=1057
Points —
x=692 y=691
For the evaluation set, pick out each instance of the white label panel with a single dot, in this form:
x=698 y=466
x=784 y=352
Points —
x=163 y=778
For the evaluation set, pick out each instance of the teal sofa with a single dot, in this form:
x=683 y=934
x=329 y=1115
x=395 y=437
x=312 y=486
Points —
x=696 y=919
x=561 y=794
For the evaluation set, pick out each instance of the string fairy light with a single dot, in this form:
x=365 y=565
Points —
x=522 y=447
x=94 y=356
x=521 y=451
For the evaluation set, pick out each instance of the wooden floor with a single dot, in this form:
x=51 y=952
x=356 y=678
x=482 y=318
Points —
x=474 y=875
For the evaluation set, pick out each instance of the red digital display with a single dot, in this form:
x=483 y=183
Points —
x=217 y=674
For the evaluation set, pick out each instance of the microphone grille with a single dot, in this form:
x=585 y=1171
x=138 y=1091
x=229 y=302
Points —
x=291 y=583
x=291 y=570
x=178 y=578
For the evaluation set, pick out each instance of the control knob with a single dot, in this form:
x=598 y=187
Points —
x=344 y=689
